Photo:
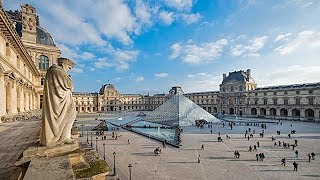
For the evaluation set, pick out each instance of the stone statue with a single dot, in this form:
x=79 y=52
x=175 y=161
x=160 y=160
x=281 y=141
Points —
x=58 y=108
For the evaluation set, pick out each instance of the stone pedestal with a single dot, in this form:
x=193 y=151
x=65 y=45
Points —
x=43 y=151
x=55 y=168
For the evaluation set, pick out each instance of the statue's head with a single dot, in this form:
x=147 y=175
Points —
x=66 y=63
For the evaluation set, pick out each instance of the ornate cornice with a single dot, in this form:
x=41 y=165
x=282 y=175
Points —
x=12 y=36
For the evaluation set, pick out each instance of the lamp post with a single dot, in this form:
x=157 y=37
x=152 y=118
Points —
x=91 y=140
x=104 y=151
x=97 y=144
x=114 y=164
x=87 y=137
x=82 y=125
x=130 y=169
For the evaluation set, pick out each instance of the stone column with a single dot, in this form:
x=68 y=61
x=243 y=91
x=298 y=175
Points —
x=18 y=98
x=302 y=114
x=14 y=98
x=27 y=100
x=2 y=96
x=8 y=97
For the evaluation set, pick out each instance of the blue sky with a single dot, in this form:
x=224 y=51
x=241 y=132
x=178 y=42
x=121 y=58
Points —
x=149 y=46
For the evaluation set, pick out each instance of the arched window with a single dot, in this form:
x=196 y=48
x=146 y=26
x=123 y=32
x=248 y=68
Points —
x=43 y=62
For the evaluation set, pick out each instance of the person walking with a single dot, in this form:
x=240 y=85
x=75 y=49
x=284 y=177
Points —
x=199 y=158
x=129 y=141
x=283 y=161
x=202 y=147
x=257 y=157
x=295 y=166
x=297 y=153
x=309 y=156
x=258 y=144
x=313 y=155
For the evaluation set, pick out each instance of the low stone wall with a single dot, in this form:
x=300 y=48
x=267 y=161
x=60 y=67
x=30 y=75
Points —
x=21 y=116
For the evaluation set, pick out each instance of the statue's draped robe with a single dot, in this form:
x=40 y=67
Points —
x=58 y=108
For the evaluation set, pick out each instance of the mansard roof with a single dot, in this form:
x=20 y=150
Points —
x=240 y=76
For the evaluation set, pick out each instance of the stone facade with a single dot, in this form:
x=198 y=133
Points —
x=238 y=96
x=26 y=50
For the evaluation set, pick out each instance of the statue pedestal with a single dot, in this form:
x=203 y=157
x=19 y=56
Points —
x=43 y=151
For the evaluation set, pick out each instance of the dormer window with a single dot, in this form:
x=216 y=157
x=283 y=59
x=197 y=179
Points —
x=43 y=62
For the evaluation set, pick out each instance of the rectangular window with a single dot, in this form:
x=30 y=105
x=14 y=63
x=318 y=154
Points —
x=275 y=101
x=286 y=92
x=285 y=101
x=310 y=101
x=297 y=92
x=256 y=101
x=42 y=81
x=297 y=101
x=274 y=93
x=310 y=91
x=265 y=101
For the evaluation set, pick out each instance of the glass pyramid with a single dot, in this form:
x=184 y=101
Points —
x=179 y=111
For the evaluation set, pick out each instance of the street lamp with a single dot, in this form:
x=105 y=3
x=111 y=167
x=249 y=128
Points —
x=130 y=168
x=87 y=136
x=97 y=144
x=82 y=125
x=91 y=140
x=114 y=164
x=104 y=151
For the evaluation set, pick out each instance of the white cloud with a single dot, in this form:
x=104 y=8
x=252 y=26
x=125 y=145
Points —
x=200 y=82
x=191 y=18
x=74 y=54
x=102 y=63
x=92 y=69
x=139 y=79
x=291 y=75
x=282 y=37
x=251 y=49
x=195 y=54
x=142 y=12
x=176 y=50
x=76 y=70
x=166 y=17
x=180 y=4
x=161 y=75
x=305 y=39
x=124 y=58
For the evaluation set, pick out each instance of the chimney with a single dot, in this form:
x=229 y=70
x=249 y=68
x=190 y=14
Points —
x=248 y=73
x=224 y=76
x=29 y=23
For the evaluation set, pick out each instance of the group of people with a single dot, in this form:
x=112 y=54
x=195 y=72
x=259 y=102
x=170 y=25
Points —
x=260 y=156
x=236 y=154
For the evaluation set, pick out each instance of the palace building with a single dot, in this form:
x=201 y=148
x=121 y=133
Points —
x=238 y=95
x=26 y=51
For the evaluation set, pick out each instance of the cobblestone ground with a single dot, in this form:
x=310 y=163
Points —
x=14 y=139
x=217 y=160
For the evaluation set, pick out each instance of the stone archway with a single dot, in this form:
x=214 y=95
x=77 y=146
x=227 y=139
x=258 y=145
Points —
x=263 y=112
x=295 y=113
x=253 y=111
x=273 y=112
x=231 y=110
x=309 y=114
x=215 y=110
x=283 y=112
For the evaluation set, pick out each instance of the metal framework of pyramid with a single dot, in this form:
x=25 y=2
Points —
x=179 y=111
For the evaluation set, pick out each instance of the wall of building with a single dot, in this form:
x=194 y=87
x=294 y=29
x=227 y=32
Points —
x=18 y=75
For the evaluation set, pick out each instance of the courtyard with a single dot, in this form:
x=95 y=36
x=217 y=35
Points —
x=217 y=158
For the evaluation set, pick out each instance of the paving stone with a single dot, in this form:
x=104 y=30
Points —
x=15 y=138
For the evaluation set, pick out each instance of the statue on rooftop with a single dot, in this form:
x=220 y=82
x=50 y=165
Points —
x=58 y=108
